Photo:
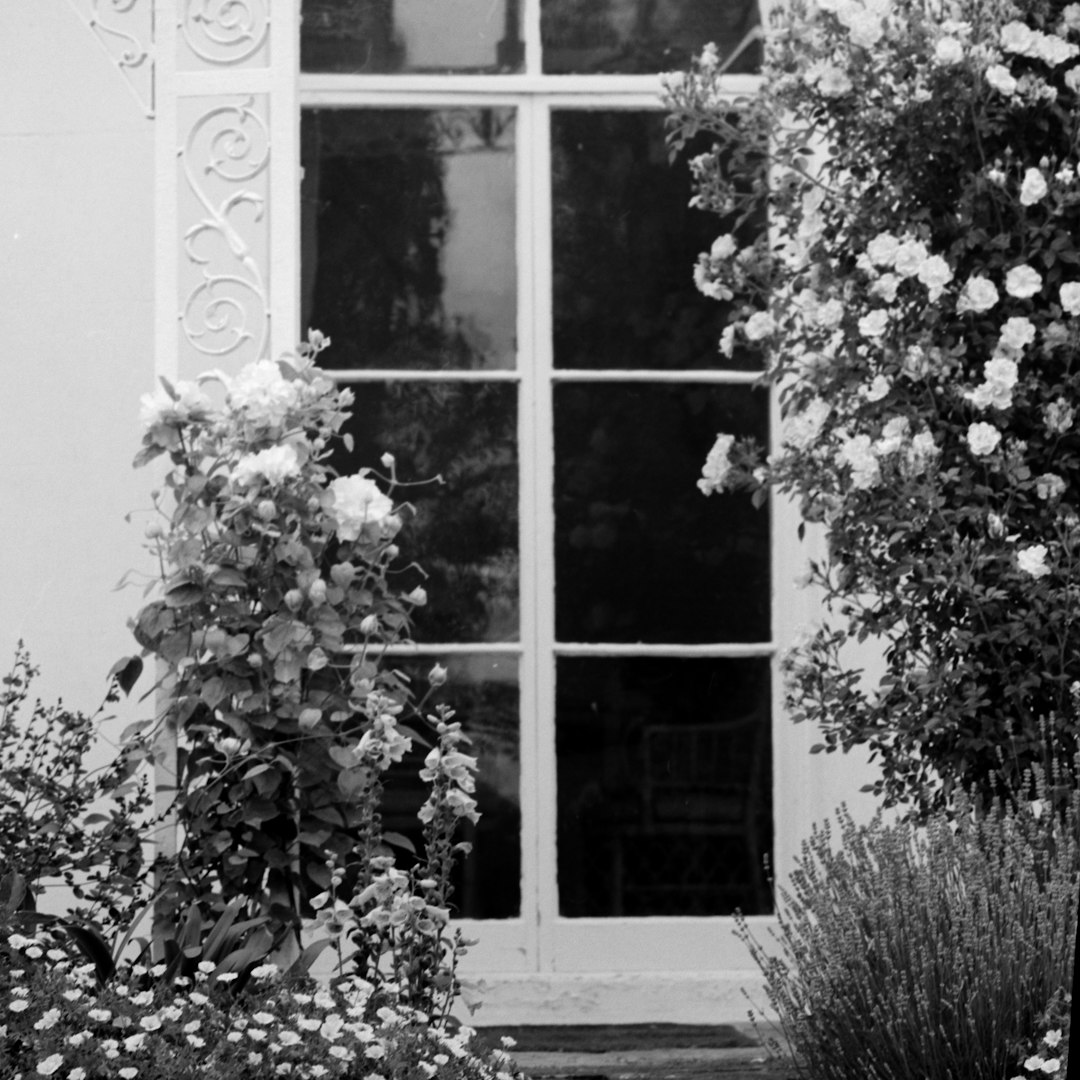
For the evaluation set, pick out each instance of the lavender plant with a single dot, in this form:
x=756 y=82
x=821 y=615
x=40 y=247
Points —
x=930 y=950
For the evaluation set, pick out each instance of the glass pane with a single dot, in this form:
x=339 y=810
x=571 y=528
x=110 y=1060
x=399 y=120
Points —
x=483 y=691
x=625 y=242
x=408 y=236
x=640 y=553
x=369 y=37
x=642 y=36
x=664 y=786
x=465 y=530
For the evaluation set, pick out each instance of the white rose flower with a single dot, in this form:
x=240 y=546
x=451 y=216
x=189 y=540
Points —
x=802 y=429
x=833 y=82
x=878 y=388
x=275 y=464
x=727 y=341
x=50 y=1064
x=948 y=51
x=829 y=315
x=1072 y=79
x=935 y=273
x=983 y=438
x=1023 y=282
x=1032 y=560
x=893 y=436
x=864 y=28
x=759 y=326
x=1017 y=333
x=161 y=408
x=1070 y=297
x=910 y=255
x=1058 y=416
x=723 y=247
x=882 y=249
x=1016 y=37
x=356 y=501
x=1033 y=188
x=1052 y=50
x=979 y=294
x=874 y=324
x=999 y=77
x=885 y=287
x=717 y=465
x=921 y=452
x=1049 y=486
x=858 y=453
x=262 y=392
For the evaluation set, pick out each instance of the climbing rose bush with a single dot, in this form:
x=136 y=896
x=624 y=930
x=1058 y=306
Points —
x=916 y=299
x=274 y=606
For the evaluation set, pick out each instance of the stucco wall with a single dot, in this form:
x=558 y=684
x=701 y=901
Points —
x=76 y=332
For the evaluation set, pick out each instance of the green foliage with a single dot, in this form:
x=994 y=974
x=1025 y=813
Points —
x=59 y=819
x=918 y=296
x=928 y=951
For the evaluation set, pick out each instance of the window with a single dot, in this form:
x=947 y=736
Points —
x=495 y=241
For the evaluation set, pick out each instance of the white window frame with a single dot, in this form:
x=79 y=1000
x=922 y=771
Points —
x=539 y=964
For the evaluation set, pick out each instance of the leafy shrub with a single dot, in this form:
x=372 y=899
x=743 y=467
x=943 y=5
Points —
x=929 y=951
x=60 y=819
x=917 y=299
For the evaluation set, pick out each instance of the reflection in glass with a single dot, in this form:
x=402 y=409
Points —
x=640 y=553
x=483 y=692
x=408 y=236
x=465 y=530
x=663 y=786
x=625 y=241
x=371 y=37
x=643 y=36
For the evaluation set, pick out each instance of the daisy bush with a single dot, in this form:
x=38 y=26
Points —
x=917 y=299
x=55 y=1020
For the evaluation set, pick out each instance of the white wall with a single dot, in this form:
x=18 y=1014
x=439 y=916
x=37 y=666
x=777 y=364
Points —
x=76 y=333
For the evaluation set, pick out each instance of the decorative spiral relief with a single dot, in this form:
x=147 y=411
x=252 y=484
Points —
x=226 y=152
x=225 y=31
x=125 y=30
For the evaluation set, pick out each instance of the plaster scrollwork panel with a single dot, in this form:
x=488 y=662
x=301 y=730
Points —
x=231 y=33
x=125 y=30
x=224 y=270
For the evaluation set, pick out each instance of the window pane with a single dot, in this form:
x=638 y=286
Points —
x=640 y=553
x=369 y=37
x=483 y=691
x=625 y=242
x=641 y=36
x=465 y=530
x=408 y=236
x=664 y=786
